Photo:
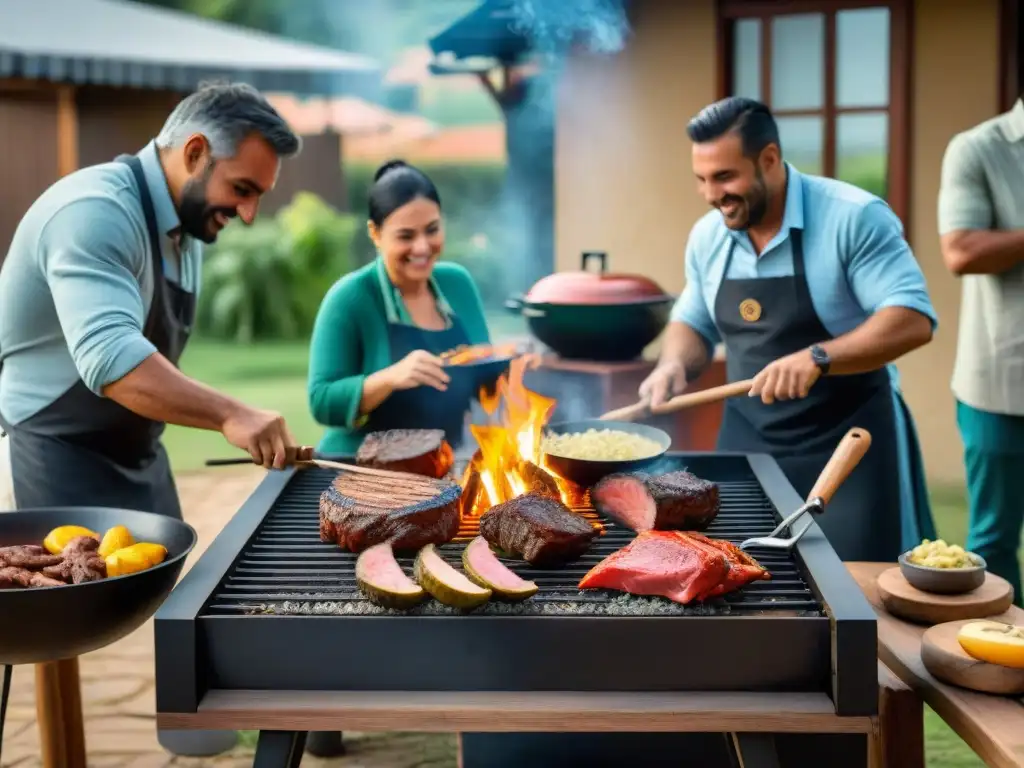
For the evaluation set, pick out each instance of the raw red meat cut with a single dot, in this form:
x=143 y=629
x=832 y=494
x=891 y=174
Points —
x=743 y=569
x=680 y=566
x=419 y=451
x=643 y=502
x=358 y=511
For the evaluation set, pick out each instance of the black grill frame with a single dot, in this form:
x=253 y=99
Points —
x=200 y=647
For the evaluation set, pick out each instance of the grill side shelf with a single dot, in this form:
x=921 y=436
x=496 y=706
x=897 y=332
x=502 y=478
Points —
x=180 y=662
x=854 y=623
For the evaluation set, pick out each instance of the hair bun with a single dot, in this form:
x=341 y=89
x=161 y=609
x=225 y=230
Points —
x=389 y=165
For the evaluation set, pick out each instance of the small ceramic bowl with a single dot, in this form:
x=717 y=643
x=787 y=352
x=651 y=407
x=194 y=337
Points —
x=943 y=581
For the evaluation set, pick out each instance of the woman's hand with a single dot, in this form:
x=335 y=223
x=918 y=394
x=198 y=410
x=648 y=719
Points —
x=419 y=368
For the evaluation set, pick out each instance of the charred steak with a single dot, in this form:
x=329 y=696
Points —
x=420 y=451
x=359 y=511
x=538 y=527
x=646 y=502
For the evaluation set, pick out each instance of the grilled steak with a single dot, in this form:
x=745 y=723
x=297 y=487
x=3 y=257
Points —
x=18 y=578
x=80 y=562
x=420 y=451
x=675 y=564
x=29 y=557
x=540 y=528
x=657 y=502
x=358 y=511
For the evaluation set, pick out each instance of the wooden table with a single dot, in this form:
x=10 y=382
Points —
x=993 y=726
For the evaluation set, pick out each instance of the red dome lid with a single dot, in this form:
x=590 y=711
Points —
x=586 y=287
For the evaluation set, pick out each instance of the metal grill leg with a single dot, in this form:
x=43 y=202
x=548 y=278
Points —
x=5 y=693
x=279 y=749
x=754 y=750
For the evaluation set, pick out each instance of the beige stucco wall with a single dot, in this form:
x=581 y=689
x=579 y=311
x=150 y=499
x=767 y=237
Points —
x=624 y=184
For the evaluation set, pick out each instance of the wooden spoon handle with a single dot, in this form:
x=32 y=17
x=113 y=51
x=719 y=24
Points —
x=847 y=456
x=680 y=402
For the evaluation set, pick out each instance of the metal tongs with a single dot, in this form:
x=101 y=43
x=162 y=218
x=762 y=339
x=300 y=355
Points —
x=847 y=456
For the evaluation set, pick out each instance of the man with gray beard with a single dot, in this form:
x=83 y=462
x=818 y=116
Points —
x=97 y=302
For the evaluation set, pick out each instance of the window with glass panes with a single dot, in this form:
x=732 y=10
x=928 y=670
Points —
x=835 y=74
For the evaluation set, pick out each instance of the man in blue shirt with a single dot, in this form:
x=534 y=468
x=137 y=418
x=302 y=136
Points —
x=814 y=291
x=97 y=301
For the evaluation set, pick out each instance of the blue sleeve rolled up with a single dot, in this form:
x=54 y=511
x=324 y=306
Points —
x=882 y=270
x=692 y=307
x=91 y=258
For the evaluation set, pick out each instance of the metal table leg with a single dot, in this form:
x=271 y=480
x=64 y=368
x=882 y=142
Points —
x=755 y=750
x=279 y=749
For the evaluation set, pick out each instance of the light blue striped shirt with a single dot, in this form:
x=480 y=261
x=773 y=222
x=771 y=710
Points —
x=77 y=283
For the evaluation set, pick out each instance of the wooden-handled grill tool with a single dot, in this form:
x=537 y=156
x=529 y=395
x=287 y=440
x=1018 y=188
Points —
x=680 y=402
x=305 y=456
x=845 y=458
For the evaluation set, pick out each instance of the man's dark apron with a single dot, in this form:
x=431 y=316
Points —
x=862 y=521
x=86 y=450
x=424 y=407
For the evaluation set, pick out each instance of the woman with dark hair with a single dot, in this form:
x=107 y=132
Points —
x=375 y=355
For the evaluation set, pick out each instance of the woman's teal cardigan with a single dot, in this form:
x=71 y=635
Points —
x=350 y=341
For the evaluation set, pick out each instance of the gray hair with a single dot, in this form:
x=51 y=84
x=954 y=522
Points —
x=225 y=113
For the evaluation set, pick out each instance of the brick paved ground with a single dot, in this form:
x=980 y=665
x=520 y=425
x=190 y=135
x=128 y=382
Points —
x=118 y=692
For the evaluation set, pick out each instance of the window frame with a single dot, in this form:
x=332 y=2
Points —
x=898 y=166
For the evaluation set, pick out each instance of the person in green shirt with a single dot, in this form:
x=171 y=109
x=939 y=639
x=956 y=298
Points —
x=375 y=353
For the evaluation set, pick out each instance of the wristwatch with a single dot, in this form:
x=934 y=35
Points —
x=821 y=358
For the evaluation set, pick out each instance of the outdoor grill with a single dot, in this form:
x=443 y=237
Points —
x=270 y=607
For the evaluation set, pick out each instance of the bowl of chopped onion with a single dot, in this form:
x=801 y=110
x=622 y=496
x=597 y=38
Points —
x=585 y=451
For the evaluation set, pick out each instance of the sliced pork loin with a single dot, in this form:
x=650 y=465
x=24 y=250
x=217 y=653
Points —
x=643 y=502
x=678 y=565
x=420 y=451
x=359 y=511
x=541 y=529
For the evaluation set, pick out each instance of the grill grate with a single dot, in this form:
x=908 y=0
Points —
x=286 y=569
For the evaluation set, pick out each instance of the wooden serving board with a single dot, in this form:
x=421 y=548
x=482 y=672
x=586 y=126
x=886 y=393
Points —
x=947 y=661
x=900 y=599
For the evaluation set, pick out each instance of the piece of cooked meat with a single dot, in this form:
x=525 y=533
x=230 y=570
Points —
x=537 y=480
x=21 y=578
x=80 y=562
x=358 y=511
x=643 y=502
x=743 y=569
x=420 y=451
x=663 y=563
x=540 y=528
x=31 y=557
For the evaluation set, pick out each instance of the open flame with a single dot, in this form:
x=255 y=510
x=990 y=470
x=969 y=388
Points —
x=509 y=461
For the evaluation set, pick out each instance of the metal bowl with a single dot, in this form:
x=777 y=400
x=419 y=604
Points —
x=943 y=581
x=51 y=623
x=586 y=472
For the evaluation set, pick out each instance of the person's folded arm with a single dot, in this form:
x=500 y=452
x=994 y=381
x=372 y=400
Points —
x=340 y=394
x=91 y=256
x=970 y=245
x=887 y=282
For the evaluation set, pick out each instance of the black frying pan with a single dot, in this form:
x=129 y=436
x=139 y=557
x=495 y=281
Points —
x=585 y=472
x=50 y=623
x=43 y=624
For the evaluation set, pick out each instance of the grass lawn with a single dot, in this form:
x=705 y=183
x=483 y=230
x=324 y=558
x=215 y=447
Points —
x=274 y=377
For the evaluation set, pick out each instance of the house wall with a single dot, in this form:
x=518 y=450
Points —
x=623 y=181
x=28 y=162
